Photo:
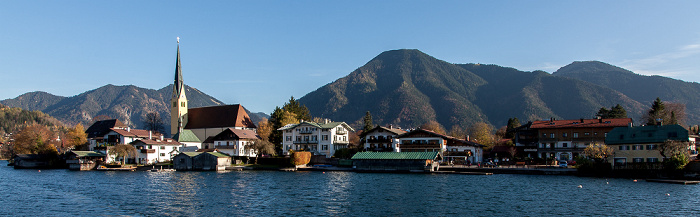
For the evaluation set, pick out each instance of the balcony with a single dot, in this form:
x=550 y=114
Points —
x=225 y=146
x=341 y=142
x=306 y=142
x=305 y=131
x=341 y=132
x=379 y=140
x=148 y=151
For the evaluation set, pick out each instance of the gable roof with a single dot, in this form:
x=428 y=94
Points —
x=100 y=128
x=396 y=156
x=135 y=133
x=217 y=154
x=88 y=154
x=451 y=141
x=329 y=125
x=581 y=123
x=646 y=134
x=191 y=154
x=186 y=136
x=218 y=117
x=395 y=131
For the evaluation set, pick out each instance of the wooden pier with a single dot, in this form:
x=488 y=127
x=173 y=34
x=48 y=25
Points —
x=674 y=181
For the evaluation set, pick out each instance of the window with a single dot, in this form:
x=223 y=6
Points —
x=288 y=138
x=638 y=160
x=182 y=104
x=162 y=147
x=162 y=154
x=324 y=147
x=575 y=135
x=564 y=135
x=564 y=145
x=638 y=147
x=174 y=104
x=586 y=134
x=551 y=135
x=324 y=137
x=651 y=147
x=544 y=135
x=298 y=138
x=652 y=160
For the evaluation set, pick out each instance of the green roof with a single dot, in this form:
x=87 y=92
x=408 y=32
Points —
x=186 y=136
x=646 y=134
x=396 y=156
x=191 y=154
x=88 y=154
x=217 y=154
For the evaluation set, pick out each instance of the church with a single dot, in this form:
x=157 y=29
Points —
x=191 y=126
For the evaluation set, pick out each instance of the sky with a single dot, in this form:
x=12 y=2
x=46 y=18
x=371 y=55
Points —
x=261 y=53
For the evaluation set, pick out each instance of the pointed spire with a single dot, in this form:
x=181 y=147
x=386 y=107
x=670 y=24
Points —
x=178 y=73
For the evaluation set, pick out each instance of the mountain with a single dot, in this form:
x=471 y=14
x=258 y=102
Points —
x=641 y=88
x=126 y=103
x=14 y=119
x=408 y=88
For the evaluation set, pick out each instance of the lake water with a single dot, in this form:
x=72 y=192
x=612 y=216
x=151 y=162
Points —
x=272 y=193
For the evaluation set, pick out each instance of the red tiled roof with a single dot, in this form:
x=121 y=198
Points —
x=581 y=123
x=218 y=117
x=135 y=133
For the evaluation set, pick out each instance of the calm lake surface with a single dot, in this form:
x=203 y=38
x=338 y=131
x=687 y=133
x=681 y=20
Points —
x=272 y=193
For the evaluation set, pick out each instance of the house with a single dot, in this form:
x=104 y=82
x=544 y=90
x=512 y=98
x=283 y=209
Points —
x=381 y=139
x=396 y=161
x=318 y=138
x=84 y=160
x=189 y=140
x=526 y=140
x=96 y=132
x=233 y=142
x=566 y=139
x=201 y=161
x=155 y=150
x=421 y=140
x=642 y=144
x=205 y=121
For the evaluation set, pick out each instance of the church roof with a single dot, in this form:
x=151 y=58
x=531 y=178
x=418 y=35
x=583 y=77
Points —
x=218 y=117
x=186 y=136
x=178 y=75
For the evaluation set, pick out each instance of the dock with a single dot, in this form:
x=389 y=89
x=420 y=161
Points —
x=675 y=181
x=117 y=169
x=463 y=173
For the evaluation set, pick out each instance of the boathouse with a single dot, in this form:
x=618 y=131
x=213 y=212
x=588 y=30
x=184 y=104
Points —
x=84 y=160
x=201 y=161
x=396 y=161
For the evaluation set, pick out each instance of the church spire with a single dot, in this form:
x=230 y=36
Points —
x=178 y=113
x=178 y=73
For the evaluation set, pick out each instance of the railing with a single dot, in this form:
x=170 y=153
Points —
x=340 y=142
x=379 y=140
x=225 y=146
x=306 y=131
x=149 y=151
x=341 y=132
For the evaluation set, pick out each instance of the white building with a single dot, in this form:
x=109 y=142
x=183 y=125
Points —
x=233 y=142
x=384 y=139
x=318 y=138
x=155 y=150
x=421 y=140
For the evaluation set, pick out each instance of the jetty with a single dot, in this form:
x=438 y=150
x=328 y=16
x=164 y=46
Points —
x=675 y=181
x=102 y=168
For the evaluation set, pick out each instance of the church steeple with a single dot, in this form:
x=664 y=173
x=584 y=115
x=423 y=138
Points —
x=178 y=111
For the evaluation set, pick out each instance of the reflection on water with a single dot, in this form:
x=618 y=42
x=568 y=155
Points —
x=256 y=193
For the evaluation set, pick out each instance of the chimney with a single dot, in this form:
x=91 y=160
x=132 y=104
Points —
x=161 y=137
x=581 y=120
x=659 y=122
x=467 y=138
x=629 y=125
x=391 y=126
x=150 y=135
x=128 y=129
x=600 y=120
x=301 y=121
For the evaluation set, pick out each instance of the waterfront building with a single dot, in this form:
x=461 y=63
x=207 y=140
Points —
x=566 y=139
x=201 y=161
x=96 y=132
x=189 y=141
x=526 y=140
x=642 y=144
x=318 y=138
x=233 y=142
x=203 y=122
x=397 y=161
x=155 y=150
x=83 y=160
x=383 y=139
x=421 y=140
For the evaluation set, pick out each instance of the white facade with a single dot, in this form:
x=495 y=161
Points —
x=477 y=152
x=381 y=139
x=150 y=154
x=234 y=147
x=319 y=139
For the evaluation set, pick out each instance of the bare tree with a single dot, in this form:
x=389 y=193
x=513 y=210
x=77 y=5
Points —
x=260 y=147
x=153 y=122
x=598 y=152
x=123 y=151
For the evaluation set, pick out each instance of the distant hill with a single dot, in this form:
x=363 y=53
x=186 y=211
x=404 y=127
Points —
x=14 y=119
x=408 y=88
x=126 y=103
x=641 y=88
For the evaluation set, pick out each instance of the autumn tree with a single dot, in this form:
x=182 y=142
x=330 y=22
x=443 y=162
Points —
x=260 y=147
x=264 y=129
x=457 y=132
x=75 y=137
x=433 y=126
x=676 y=154
x=290 y=113
x=598 y=152
x=368 y=125
x=153 y=122
x=482 y=133
x=35 y=139
x=123 y=151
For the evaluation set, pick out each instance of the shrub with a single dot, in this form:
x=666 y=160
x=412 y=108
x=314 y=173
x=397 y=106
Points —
x=301 y=158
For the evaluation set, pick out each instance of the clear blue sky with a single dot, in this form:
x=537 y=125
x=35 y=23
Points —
x=259 y=53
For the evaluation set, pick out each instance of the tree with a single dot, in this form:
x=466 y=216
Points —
x=260 y=147
x=301 y=112
x=153 y=122
x=75 y=137
x=510 y=128
x=482 y=133
x=433 y=126
x=598 y=152
x=264 y=129
x=35 y=139
x=657 y=112
x=368 y=122
x=290 y=113
x=123 y=151
x=675 y=153
x=615 y=112
x=667 y=112
x=457 y=132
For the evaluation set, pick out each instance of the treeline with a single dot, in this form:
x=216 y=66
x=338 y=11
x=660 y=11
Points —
x=14 y=119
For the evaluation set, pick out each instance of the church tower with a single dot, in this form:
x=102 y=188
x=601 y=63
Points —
x=178 y=111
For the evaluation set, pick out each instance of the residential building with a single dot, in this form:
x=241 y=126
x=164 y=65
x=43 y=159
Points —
x=155 y=150
x=526 y=140
x=384 y=139
x=96 y=132
x=421 y=140
x=318 y=138
x=566 y=139
x=643 y=144
x=233 y=142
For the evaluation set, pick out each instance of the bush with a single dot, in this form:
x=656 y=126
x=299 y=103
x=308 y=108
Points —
x=301 y=158
x=677 y=162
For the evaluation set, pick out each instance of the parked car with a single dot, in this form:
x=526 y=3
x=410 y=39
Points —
x=562 y=163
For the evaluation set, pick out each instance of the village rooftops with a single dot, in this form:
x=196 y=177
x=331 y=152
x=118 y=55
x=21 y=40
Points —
x=218 y=117
x=100 y=128
x=327 y=125
x=581 y=123
x=395 y=131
